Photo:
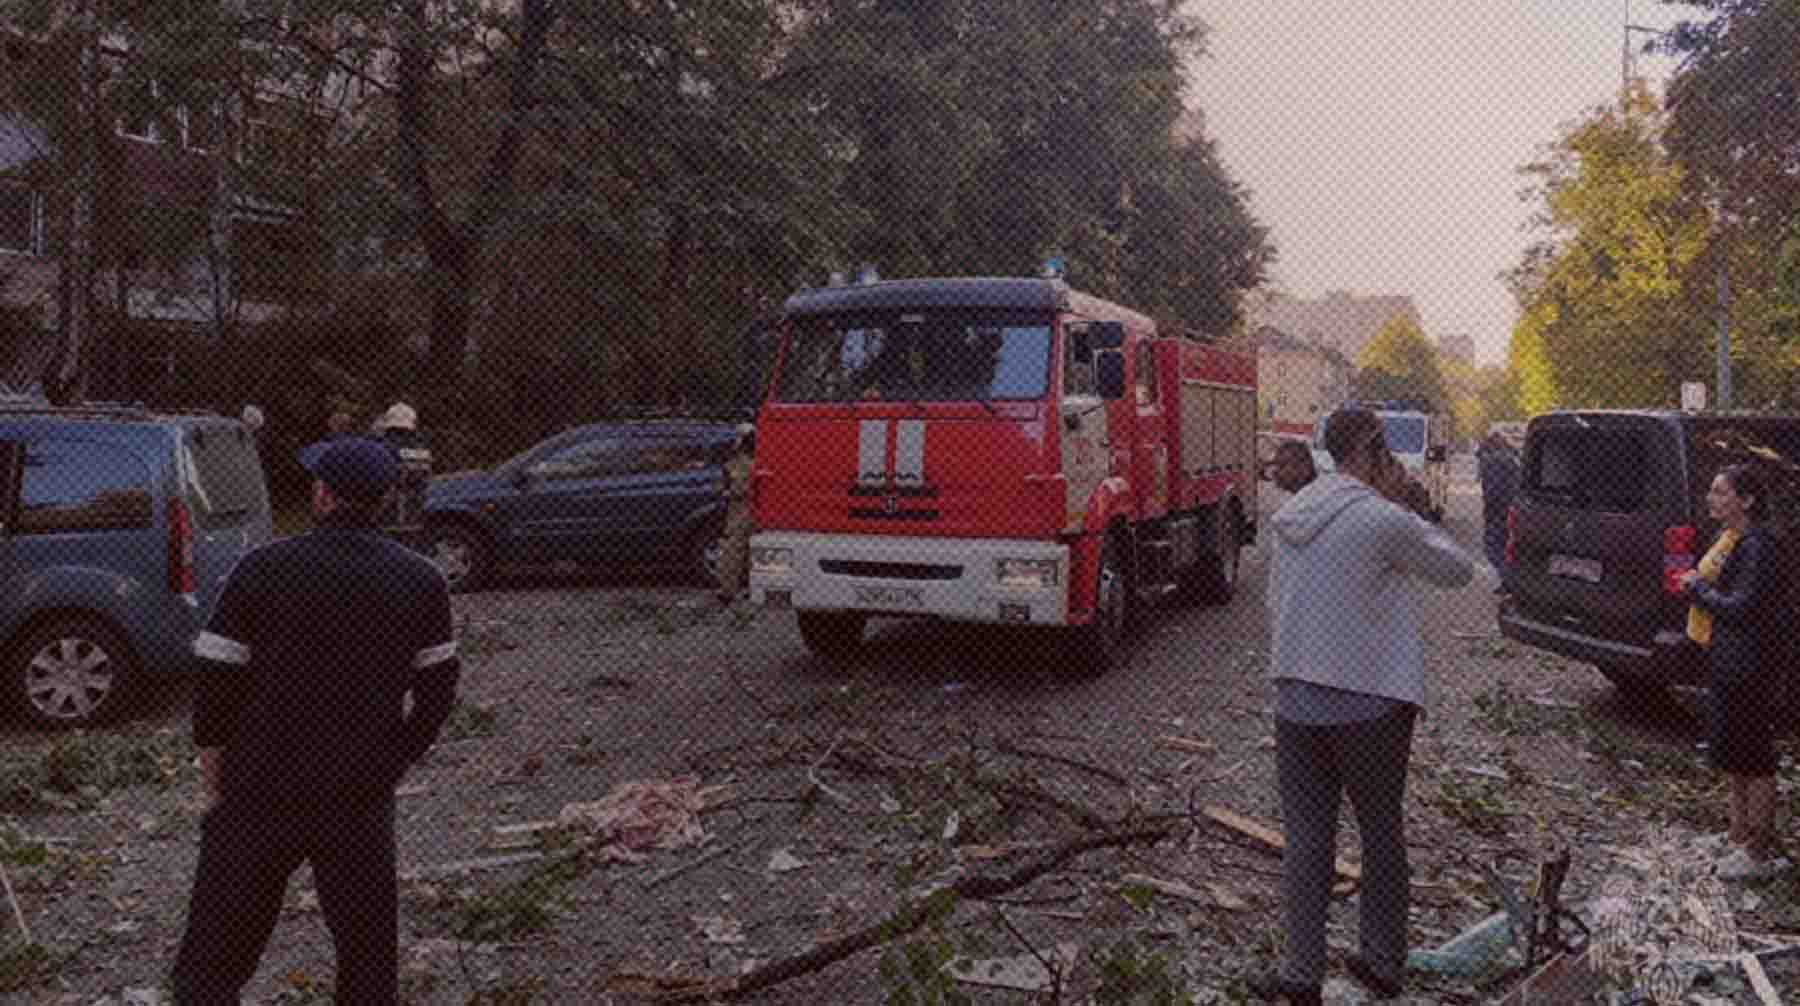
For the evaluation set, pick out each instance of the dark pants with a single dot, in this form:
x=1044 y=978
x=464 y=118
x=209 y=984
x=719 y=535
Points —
x=248 y=849
x=1493 y=540
x=1316 y=765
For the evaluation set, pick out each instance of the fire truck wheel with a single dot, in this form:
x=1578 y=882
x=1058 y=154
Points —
x=1099 y=642
x=833 y=635
x=1213 y=580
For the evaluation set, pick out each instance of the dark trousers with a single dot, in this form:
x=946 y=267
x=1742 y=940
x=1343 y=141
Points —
x=1316 y=765
x=249 y=847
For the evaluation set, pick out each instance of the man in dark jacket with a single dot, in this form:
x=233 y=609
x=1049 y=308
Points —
x=398 y=427
x=301 y=717
x=1498 y=466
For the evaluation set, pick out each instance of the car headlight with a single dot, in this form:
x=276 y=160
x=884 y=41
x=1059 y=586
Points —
x=772 y=560
x=1025 y=572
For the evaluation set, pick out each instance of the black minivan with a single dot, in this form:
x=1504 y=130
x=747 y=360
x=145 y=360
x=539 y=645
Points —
x=1610 y=511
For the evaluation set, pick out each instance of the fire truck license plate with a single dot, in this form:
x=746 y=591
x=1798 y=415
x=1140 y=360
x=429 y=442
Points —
x=891 y=597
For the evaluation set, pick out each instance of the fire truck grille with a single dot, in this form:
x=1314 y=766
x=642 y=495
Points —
x=890 y=570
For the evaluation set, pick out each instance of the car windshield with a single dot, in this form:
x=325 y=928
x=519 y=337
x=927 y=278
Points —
x=1404 y=434
x=917 y=356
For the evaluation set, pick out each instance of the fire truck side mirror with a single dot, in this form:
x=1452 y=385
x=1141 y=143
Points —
x=1109 y=375
x=1108 y=334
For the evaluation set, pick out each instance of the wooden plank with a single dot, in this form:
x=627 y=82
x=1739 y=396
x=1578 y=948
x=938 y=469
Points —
x=1570 y=978
x=1268 y=836
x=1188 y=745
x=1759 y=980
x=1213 y=895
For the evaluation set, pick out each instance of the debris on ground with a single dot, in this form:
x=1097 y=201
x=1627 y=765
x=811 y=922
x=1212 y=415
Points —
x=639 y=816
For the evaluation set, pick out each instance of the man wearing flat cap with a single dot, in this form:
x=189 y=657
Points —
x=302 y=719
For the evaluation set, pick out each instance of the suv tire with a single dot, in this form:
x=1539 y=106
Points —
x=833 y=635
x=72 y=671
x=705 y=550
x=1635 y=689
x=462 y=554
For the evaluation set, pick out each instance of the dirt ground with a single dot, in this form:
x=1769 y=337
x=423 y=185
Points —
x=824 y=799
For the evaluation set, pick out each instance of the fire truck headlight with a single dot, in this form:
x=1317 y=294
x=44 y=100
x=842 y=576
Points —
x=1025 y=572
x=772 y=560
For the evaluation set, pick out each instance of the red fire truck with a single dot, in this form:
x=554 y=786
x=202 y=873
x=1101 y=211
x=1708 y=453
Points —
x=1002 y=450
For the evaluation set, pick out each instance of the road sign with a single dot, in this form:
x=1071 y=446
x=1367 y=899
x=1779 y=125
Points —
x=1693 y=396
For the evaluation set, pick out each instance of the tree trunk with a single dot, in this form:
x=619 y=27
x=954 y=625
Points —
x=454 y=248
x=672 y=313
x=67 y=380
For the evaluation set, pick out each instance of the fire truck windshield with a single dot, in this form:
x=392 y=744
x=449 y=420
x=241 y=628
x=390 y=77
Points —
x=917 y=356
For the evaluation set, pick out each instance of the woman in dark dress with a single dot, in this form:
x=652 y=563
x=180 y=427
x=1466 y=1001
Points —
x=1747 y=620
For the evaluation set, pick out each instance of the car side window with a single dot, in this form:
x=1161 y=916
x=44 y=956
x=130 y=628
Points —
x=657 y=457
x=589 y=459
x=67 y=486
x=1078 y=359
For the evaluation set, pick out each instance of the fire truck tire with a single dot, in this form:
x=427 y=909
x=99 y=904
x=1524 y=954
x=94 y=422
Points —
x=1099 y=643
x=833 y=635
x=1214 y=579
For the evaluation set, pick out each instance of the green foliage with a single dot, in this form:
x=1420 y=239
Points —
x=27 y=965
x=1128 y=976
x=81 y=766
x=470 y=720
x=529 y=905
x=914 y=972
x=1611 y=281
x=1399 y=362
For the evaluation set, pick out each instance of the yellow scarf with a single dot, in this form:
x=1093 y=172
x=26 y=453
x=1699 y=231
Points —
x=1700 y=621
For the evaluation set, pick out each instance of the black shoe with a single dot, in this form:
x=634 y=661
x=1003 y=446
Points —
x=1269 y=986
x=1382 y=987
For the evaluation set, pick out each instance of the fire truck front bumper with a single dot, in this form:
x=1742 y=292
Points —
x=964 y=579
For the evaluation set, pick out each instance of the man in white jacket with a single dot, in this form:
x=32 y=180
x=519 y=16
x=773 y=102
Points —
x=1349 y=677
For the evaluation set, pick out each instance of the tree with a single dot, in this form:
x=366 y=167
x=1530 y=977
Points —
x=1612 y=278
x=1399 y=362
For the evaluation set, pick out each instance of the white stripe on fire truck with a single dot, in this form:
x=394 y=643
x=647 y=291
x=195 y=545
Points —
x=909 y=453
x=871 y=452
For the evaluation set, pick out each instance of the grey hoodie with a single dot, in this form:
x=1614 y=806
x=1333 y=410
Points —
x=1343 y=600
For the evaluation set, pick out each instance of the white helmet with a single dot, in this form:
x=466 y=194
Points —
x=399 y=416
x=253 y=417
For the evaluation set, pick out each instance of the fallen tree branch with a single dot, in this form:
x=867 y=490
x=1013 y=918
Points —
x=1008 y=747
x=910 y=916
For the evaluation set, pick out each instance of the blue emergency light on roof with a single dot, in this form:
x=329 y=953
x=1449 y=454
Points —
x=867 y=274
x=1053 y=267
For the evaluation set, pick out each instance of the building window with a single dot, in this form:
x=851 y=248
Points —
x=138 y=121
x=21 y=220
x=202 y=129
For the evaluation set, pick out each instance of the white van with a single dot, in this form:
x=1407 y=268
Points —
x=1420 y=439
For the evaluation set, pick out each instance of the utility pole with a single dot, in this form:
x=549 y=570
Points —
x=1724 y=347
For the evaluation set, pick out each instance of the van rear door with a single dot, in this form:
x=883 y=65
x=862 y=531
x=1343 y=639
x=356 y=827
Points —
x=1596 y=495
x=227 y=500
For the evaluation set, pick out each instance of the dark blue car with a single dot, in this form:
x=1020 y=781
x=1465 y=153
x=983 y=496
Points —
x=620 y=493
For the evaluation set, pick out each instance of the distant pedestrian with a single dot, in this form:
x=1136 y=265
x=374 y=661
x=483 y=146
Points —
x=1498 y=467
x=1293 y=466
x=734 y=544
x=338 y=425
x=1737 y=591
x=327 y=668
x=398 y=427
x=1348 y=665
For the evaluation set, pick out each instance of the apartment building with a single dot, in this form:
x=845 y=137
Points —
x=1298 y=380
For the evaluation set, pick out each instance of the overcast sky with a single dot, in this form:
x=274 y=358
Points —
x=1381 y=138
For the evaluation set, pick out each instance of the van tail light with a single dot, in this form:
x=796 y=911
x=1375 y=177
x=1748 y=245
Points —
x=181 y=549
x=1678 y=556
x=1512 y=536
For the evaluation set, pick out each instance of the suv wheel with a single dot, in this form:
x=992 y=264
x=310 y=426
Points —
x=461 y=554
x=705 y=552
x=71 y=672
x=1635 y=689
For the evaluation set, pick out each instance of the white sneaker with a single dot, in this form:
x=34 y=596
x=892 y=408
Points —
x=1739 y=866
